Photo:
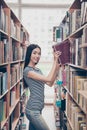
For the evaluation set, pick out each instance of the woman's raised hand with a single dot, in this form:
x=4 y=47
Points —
x=57 y=55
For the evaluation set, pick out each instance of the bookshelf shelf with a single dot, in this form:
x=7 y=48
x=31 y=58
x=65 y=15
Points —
x=21 y=61
x=70 y=123
x=4 y=94
x=3 y=64
x=78 y=32
x=3 y=122
x=83 y=93
x=72 y=31
x=15 y=62
x=4 y=33
x=14 y=84
x=11 y=109
x=14 y=124
x=83 y=45
x=78 y=67
x=13 y=39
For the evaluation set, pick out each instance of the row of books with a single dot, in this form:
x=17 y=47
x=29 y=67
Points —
x=76 y=81
x=21 y=70
x=3 y=82
x=75 y=115
x=57 y=34
x=23 y=35
x=73 y=20
x=14 y=92
x=76 y=50
x=14 y=74
x=83 y=12
x=10 y=123
x=22 y=53
x=4 y=49
x=17 y=52
x=82 y=99
x=15 y=30
x=14 y=116
x=13 y=39
x=3 y=109
x=21 y=88
x=3 y=19
x=13 y=96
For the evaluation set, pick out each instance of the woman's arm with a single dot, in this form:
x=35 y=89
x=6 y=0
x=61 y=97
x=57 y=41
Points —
x=52 y=74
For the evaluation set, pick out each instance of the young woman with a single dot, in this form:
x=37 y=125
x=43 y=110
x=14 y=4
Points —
x=35 y=80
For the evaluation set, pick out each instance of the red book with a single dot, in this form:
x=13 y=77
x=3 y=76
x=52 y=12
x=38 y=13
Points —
x=65 y=51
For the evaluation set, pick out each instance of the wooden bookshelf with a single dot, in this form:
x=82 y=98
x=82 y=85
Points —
x=13 y=39
x=75 y=23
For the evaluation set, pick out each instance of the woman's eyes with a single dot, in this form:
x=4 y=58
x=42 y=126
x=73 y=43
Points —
x=37 y=53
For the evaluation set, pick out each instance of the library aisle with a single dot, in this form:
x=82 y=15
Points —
x=48 y=114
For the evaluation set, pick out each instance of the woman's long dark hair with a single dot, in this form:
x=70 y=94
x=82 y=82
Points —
x=29 y=50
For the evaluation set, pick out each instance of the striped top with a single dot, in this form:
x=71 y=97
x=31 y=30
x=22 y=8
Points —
x=36 y=99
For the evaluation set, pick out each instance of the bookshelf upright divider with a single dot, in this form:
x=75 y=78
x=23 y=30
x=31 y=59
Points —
x=74 y=34
x=13 y=40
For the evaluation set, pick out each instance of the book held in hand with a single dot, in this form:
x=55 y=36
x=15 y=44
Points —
x=64 y=48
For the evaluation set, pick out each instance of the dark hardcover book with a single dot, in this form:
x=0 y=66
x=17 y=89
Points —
x=1 y=17
x=3 y=79
x=11 y=121
x=65 y=51
x=1 y=109
x=5 y=42
x=1 y=52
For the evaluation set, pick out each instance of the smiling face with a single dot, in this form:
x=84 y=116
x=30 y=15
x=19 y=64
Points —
x=35 y=55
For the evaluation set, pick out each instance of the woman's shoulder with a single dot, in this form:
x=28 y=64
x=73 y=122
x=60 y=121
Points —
x=27 y=68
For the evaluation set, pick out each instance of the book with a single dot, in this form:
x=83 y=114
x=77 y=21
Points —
x=1 y=110
x=80 y=86
x=64 y=48
x=78 y=118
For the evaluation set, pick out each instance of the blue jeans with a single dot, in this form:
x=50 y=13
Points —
x=36 y=120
